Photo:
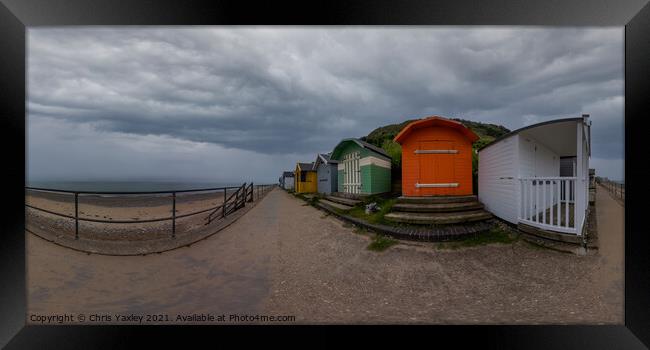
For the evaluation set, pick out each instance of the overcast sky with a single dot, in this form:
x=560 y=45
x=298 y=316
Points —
x=232 y=104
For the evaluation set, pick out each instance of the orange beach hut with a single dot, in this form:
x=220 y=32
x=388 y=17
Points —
x=436 y=158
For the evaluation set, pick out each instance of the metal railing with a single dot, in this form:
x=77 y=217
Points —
x=237 y=200
x=615 y=188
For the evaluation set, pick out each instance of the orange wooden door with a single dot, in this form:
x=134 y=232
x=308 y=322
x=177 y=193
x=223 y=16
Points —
x=436 y=168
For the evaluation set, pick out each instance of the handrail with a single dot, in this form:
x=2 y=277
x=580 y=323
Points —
x=617 y=189
x=130 y=192
x=123 y=221
x=225 y=203
x=227 y=206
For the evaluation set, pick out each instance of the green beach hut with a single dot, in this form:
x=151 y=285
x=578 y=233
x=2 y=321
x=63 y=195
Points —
x=362 y=168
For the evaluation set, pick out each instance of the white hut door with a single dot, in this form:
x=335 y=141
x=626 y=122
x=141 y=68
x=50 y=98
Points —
x=352 y=179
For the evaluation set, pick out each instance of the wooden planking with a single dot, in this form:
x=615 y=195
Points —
x=497 y=163
x=436 y=138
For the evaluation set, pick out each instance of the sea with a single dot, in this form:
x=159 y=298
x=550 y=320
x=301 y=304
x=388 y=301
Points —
x=126 y=186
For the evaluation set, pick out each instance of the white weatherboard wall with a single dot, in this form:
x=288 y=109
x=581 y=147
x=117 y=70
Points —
x=540 y=163
x=537 y=160
x=288 y=183
x=376 y=161
x=497 y=178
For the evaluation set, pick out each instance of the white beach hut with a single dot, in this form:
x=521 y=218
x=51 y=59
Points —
x=537 y=177
x=287 y=180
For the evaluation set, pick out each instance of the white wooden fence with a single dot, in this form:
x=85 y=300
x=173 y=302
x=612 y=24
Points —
x=550 y=203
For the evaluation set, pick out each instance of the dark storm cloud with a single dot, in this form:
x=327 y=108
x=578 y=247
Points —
x=278 y=90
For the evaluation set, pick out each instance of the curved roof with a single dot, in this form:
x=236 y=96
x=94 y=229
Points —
x=514 y=132
x=435 y=121
x=335 y=152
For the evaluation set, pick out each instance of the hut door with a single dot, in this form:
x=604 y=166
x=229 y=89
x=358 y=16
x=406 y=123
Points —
x=436 y=163
x=352 y=173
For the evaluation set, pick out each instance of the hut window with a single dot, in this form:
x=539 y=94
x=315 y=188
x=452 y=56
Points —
x=303 y=176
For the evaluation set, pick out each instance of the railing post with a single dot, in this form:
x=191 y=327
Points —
x=76 y=215
x=223 y=206
x=173 y=214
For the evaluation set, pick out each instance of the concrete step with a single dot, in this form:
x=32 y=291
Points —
x=550 y=235
x=334 y=204
x=436 y=199
x=355 y=196
x=346 y=201
x=438 y=218
x=438 y=207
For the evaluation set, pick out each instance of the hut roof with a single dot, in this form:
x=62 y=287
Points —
x=515 y=132
x=306 y=166
x=287 y=174
x=363 y=144
x=433 y=121
x=324 y=158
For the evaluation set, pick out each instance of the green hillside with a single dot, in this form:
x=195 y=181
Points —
x=383 y=137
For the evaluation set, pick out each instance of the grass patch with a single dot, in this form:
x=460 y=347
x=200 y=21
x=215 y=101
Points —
x=380 y=243
x=373 y=218
x=347 y=225
x=309 y=201
x=361 y=231
x=495 y=235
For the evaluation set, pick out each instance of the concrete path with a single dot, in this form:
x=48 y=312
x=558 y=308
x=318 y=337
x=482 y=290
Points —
x=610 y=216
x=286 y=258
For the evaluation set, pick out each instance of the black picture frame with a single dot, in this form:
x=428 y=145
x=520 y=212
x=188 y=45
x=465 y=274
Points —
x=16 y=15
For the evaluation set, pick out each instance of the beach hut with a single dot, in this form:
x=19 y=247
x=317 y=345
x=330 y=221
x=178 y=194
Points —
x=362 y=168
x=436 y=157
x=286 y=180
x=305 y=178
x=326 y=171
x=537 y=177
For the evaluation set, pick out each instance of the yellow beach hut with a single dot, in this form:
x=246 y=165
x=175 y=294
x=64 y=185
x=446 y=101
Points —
x=305 y=178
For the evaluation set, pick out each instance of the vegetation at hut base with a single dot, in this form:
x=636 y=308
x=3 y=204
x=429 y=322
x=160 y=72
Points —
x=495 y=235
x=311 y=200
x=360 y=230
x=384 y=135
x=380 y=243
x=384 y=204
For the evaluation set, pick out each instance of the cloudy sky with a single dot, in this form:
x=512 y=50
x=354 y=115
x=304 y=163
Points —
x=232 y=104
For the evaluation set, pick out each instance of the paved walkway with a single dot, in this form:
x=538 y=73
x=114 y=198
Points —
x=610 y=214
x=286 y=258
